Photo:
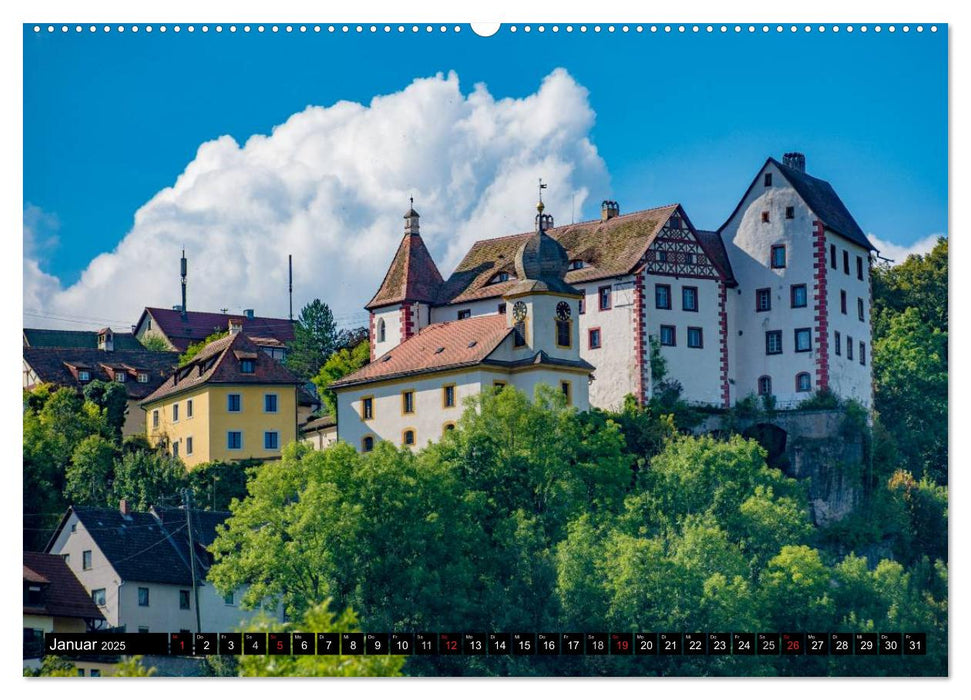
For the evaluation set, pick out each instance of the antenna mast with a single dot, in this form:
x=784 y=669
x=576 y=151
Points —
x=290 y=263
x=185 y=271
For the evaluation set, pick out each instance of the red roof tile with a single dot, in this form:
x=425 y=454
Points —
x=412 y=276
x=437 y=347
x=183 y=331
x=220 y=362
x=63 y=594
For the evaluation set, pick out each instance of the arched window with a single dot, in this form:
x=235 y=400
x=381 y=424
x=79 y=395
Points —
x=408 y=437
x=367 y=443
x=448 y=426
x=765 y=385
x=381 y=332
x=803 y=382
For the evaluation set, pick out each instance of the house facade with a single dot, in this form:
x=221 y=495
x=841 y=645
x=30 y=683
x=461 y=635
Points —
x=136 y=568
x=776 y=302
x=230 y=402
x=414 y=391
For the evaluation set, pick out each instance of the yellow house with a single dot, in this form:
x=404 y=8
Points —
x=230 y=402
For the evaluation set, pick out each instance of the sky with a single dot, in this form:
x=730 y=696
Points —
x=246 y=147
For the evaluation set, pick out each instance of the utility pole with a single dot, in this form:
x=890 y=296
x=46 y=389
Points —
x=187 y=504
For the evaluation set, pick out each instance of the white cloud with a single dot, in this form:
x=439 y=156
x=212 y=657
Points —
x=899 y=253
x=330 y=186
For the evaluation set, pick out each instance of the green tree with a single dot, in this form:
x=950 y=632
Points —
x=112 y=398
x=53 y=667
x=216 y=484
x=919 y=282
x=91 y=472
x=145 y=479
x=133 y=667
x=340 y=364
x=155 y=343
x=194 y=349
x=315 y=339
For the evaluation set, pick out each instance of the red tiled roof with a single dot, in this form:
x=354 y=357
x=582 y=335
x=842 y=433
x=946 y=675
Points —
x=63 y=594
x=607 y=249
x=412 y=276
x=199 y=325
x=220 y=363
x=437 y=347
x=53 y=366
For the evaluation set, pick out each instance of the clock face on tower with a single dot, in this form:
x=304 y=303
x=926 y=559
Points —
x=519 y=311
x=563 y=311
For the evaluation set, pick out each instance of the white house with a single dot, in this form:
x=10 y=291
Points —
x=413 y=391
x=136 y=568
x=776 y=301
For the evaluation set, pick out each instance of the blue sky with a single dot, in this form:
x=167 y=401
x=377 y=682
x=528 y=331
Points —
x=112 y=119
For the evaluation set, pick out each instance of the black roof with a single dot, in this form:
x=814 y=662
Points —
x=151 y=547
x=53 y=365
x=55 y=338
x=822 y=199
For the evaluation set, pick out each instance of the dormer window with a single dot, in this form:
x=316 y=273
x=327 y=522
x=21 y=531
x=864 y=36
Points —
x=121 y=377
x=247 y=366
x=84 y=375
x=143 y=377
x=576 y=265
x=499 y=277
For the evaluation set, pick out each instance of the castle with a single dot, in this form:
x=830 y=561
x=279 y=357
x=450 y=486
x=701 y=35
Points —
x=776 y=303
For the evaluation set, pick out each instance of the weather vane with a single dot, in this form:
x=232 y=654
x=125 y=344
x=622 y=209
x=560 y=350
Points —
x=542 y=186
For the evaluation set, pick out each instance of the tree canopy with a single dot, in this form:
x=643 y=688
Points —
x=315 y=340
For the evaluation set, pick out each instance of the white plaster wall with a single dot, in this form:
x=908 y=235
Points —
x=748 y=241
x=483 y=307
x=697 y=369
x=615 y=375
x=391 y=315
x=848 y=378
x=100 y=575
x=527 y=381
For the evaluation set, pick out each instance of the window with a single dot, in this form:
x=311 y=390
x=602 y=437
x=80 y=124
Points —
x=773 y=342
x=247 y=366
x=689 y=258
x=498 y=386
x=603 y=294
x=175 y=413
x=121 y=377
x=832 y=256
x=143 y=630
x=849 y=348
x=142 y=597
x=184 y=600
x=188 y=408
x=448 y=396
x=804 y=342
x=564 y=334
x=668 y=336
x=382 y=334
x=765 y=217
x=689 y=298
x=271 y=440
x=593 y=335
x=367 y=443
x=836 y=342
x=155 y=418
x=501 y=277
x=407 y=402
x=234 y=440
x=583 y=302
x=765 y=385
x=790 y=212
x=797 y=296
x=464 y=313
x=502 y=308
x=859 y=267
x=447 y=427
x=143 y=378
x=859 y=308
x=662 y=256
x=846 y=262
x=95 y=673
x=662 y=296
x=188 y=445
x=778 y=256
x=86 y=560
x=842 y=301
x=576 y=264
x=567 y=389
x=367 y=408
x=84 y=375
x=408 y=437
x=229 y=598
x=98 y=596
x=269 y=403
x=862 y=353
x=763 y=299
x=519 y=335
x=694 y=337
x=767 y=179
x=234 y=403
x=175 y=448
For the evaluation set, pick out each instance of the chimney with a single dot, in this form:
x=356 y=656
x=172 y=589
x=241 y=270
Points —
x=609 y=209
x=796 y=161
x=123 y=507
x=235 y=325
x=249 y=313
